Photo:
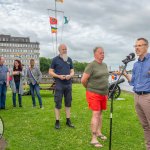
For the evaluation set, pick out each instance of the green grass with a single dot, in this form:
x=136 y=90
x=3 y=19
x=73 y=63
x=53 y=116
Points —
x=30 y=128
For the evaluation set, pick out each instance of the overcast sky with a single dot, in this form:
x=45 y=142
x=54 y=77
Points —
x=114 y=25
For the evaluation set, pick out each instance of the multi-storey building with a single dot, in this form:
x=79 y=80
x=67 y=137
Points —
x=18 y=48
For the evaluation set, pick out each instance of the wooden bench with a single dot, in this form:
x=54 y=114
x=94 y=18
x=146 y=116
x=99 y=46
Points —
x=51 y=87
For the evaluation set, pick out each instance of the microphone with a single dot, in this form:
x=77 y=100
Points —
x=113 y=83
x=130 y=57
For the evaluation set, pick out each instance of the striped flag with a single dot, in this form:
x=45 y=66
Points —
x=53 y=29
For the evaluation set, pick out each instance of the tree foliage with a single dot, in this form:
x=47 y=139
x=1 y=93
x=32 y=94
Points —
x=46 y=62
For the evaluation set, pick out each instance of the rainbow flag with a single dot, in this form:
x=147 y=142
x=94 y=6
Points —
x=53 y=29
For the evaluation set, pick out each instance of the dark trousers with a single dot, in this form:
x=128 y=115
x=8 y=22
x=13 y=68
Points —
x=19 y=95
x=19 y=99
x=3 y=90
x=35 y=88
x=61 y=91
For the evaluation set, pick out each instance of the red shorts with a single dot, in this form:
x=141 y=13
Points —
x=96 y=101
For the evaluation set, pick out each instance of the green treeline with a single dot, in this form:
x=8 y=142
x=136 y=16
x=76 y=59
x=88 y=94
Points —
x=46 y=62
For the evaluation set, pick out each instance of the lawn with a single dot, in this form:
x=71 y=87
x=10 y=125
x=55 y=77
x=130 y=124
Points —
x=30 y=128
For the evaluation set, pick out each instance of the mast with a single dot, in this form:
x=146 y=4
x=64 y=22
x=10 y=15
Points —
x=56 y=24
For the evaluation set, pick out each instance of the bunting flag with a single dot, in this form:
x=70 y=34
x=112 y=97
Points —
x=66 y=20
x=53 y=29
x=59 y=1
x=53 y=20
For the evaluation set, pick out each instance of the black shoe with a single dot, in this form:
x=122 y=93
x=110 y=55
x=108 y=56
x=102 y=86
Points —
x=20 y=105
x=69 y=124
x=57 y=125
x=41 y=107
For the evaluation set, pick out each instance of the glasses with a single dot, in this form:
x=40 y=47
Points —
x=139 y=45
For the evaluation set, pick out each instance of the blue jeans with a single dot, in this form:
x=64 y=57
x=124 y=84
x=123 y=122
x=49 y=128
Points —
x=35 y=88
x=19 y=95
x=3 y=90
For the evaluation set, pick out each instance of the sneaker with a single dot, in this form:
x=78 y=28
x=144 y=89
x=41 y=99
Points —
x=41 y=107
x=69 y=124
x=57 y=125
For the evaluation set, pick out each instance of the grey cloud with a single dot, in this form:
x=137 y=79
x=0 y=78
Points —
x=112 y=24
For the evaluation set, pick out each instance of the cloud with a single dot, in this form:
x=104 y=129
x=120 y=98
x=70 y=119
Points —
x=114 y=25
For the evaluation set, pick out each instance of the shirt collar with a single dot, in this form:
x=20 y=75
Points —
x=146 y=57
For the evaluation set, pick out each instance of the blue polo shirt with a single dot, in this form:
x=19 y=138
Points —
x=62 y=68
x=3 y=74
x=141 y=75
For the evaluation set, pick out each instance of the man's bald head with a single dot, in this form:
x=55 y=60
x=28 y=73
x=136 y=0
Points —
x=62 y=49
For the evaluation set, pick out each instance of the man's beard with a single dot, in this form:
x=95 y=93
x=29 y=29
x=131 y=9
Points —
x=65 y=57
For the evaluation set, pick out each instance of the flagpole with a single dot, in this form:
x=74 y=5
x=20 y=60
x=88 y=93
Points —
x=56 y=24
x=53 y=46
x=62 y=28
x=52 y=38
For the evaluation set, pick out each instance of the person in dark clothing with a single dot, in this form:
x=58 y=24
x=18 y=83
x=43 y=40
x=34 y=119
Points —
x=62 y=70
x=17 y=82
x=4 y=82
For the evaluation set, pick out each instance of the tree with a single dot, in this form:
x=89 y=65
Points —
x=79 y=66
x=45 y=64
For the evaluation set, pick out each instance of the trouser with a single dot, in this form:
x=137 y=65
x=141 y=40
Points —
x=3 y=90
x=142 y=106
x=19 y=99
x=35 y=88
x=60 y=91
x=19 y=95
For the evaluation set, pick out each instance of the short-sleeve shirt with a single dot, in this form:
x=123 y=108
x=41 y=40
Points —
x=98 y=80
x=62 y=67
x=3 y=74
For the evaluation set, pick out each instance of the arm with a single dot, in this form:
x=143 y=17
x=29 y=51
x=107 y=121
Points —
x=27 y=76
x=7 y=82
x=84 y=79
x=22 y=73
x=68 y=77
x=54 y=75
x=39 y=75
x=72 y=73
x=128 y=77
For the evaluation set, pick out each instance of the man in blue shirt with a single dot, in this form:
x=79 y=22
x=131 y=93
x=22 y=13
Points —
x=62 y=70
x=4 y=82
x=140 y=81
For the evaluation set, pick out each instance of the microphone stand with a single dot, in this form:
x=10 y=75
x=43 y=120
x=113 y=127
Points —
x=111 y=96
